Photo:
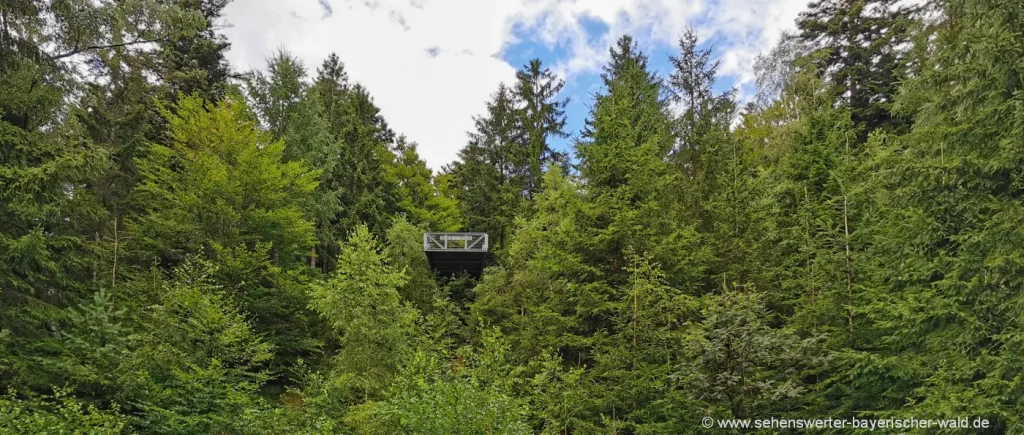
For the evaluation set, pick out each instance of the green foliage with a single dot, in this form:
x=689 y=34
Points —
x=198 y=361
x=405 y=251
x=739 y=364
x=180 y=258
x=560 y=397
x=59 y=414
x=704 y=123
x=94 y=345
x=47 y=164
x=220 y=183
x=361 y=302
x=950 y=239
x=422 y=199
x=489 y=177
x=508 y=152
x=622 y=160
x=222 y=187
x=370 y=192
x=633 y=367
x=531 y=294
x=194 y=63
x=432 y=396
x=276 y=94
x=540 y=116
x=860 y=46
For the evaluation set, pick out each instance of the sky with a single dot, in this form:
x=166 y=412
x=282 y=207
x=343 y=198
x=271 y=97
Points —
x=431 y=65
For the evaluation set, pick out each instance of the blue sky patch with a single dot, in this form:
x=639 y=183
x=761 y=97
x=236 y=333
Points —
x=580 y=88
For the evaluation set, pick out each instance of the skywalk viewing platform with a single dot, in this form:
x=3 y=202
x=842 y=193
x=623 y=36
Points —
x=452 y=254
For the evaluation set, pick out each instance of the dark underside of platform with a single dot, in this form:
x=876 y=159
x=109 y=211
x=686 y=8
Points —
x=451 y=263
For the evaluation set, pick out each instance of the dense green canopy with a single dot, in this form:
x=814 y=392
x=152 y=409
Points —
x=187 y=250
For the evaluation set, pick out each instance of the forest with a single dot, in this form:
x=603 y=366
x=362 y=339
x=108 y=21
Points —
x=190 y=249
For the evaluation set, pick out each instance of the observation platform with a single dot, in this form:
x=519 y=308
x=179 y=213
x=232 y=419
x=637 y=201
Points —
x=452 y=254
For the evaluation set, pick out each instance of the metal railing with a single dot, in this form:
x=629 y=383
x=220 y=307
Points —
x=475 y=242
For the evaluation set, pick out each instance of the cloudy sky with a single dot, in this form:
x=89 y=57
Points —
x=431 y=64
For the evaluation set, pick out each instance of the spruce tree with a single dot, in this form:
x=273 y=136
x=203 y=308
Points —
x=362 y=303
x=420 y=197
x=859 y=47
x=492 y=174
x=405 y=250
x=623 y=161
x=362 y=178
x=195 y=64
x=541 y=118
x=275 y=94
x=199 y=362
x=948 y=250
x=530 y=293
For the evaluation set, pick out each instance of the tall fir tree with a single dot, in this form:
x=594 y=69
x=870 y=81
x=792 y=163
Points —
x=274 y=94
x=542 y=117
x=859 y=47
x=198 y=362
x=624 y=165
x=947 y=249
x=195 y=64
x=362 y=303
x=492 y=174
x=362 y=178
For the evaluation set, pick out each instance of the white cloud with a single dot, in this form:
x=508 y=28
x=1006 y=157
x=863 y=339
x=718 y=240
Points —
x=431 y=100
x=742 y=28
x=385 y=45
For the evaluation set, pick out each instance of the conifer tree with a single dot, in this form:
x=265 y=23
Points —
x=292 y=110
x=371 y=192
x=199 y=361
x=332 y=84
x=859 y=48
x=945 y=298
x=634 y=366
x=492 y=174
x=276 y=93
x=428 y=397
x=57 y=412
x=196 y=64
x=622 y=160
x=50 y=169
x=541 y=117
x=405 y=250
x=530 y=294
x=719 y=190
x=361 y=302
x=45 y=201
x=362 y=177
x=738 y=365
x=823 y=215
x=706 y=115
x=176 y=257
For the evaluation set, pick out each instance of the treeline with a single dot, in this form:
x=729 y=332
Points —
x=185 y=249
